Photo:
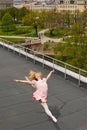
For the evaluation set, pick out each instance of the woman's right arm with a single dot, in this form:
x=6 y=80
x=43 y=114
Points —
x=32 y=82
x=24 y=81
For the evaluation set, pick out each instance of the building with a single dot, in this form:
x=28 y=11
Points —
x=6 y=4
x=40 y=4
x=60 y=5
x=71 y=5
x=82 y=5
x=19 y=3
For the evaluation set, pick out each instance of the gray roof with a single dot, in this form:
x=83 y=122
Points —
x=67 y=101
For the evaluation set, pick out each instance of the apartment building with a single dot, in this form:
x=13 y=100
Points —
x=17 y=3
x=20 y=3
x=6 y=3
x=60 y=5
x=82 y=5
x=71 y=5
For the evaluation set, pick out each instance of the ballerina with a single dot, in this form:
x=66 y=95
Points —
x=40 y=84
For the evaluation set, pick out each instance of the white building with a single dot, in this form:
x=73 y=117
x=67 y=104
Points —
x=71 y=5
x=19 y=3
x=60 y=5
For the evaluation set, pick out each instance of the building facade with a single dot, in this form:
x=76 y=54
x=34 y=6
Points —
x=6 y=4
x=71 y=5
x=19 y=3
x=60 y=5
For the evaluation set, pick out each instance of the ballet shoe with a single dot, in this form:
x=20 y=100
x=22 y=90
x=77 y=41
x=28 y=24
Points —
x=54 y=119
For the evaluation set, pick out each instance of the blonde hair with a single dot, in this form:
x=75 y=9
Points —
x=32 y=75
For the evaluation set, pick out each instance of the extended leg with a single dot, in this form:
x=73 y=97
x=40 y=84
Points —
x=48 y=112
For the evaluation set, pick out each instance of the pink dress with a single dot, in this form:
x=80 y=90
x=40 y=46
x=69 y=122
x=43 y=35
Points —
x=41 y=90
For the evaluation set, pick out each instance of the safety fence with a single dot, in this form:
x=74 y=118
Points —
x=67 y=70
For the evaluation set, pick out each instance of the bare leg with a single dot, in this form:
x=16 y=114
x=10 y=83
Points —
x=48 y=112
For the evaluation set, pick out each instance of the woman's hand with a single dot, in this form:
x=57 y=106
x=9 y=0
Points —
x=17 y=80
x=49 y=75
x=52 y=71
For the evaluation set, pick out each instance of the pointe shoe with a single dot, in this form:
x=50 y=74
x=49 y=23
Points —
x=54 y=119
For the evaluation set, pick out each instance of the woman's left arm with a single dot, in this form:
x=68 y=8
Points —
x=49 y=75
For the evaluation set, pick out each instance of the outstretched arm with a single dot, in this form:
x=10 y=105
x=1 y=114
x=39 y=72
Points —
x=24 y=81
x=49 y=75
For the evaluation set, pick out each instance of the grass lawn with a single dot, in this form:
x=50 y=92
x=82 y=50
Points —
x=58 y=33
x=15 y=40
x=20 y=31
x=25 y=31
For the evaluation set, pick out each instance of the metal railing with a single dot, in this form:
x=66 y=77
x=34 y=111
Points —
x=66 y=69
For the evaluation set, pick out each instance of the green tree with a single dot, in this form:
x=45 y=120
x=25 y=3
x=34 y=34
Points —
x=78 y=29
x=32 y=19
x=78 y=32
x=66 y=19
x=51 y=21
x=13 y=11
x=7 y=23
x=43 y=19
x=2 y=12
x=84 y=17
x=22 y=12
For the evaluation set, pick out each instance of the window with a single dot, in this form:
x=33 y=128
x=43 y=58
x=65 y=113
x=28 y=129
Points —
x=61 y=2
x=71 y=1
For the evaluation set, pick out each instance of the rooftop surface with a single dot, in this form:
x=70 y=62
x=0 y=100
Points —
x=18 y=111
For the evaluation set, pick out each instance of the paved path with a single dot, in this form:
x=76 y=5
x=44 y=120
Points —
x=46 y=39
x=19 y=112
x=40 y=34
